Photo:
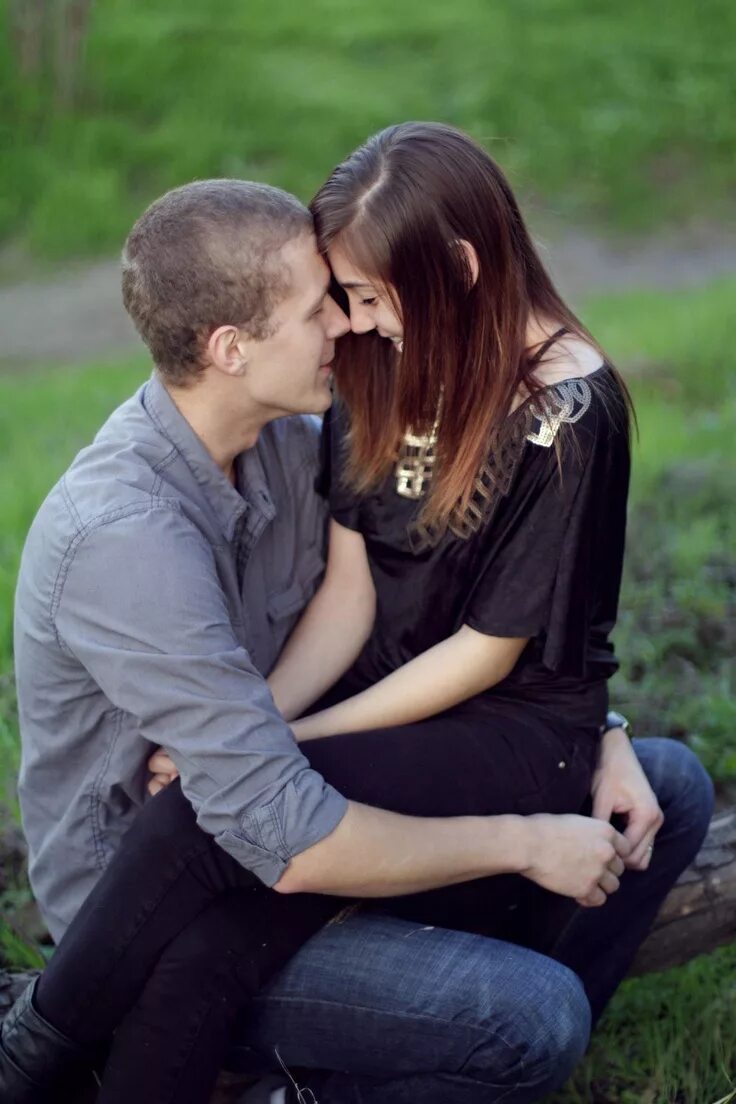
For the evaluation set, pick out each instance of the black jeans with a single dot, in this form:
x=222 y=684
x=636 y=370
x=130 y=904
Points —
x=166 y=950
x=176 y=936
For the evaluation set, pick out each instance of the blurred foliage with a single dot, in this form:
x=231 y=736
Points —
x=619 y=113
x=676 y=634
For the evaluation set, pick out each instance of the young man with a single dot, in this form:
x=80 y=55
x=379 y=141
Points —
x=159 y=582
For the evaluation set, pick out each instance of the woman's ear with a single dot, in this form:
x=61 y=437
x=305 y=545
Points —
x=471 y=258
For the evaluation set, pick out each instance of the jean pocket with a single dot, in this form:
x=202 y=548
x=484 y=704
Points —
x=568 y=776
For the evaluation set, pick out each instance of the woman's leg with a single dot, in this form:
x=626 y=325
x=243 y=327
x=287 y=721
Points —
x=144 y=914
x=168 y=872
x=173 y=1042
x=470 y=763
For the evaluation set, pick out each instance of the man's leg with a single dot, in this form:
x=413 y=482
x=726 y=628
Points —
x=600 y=944
x=406 y=1014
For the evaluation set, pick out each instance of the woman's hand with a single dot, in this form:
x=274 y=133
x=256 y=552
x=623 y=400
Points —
x=163 y=770
x=620 y=786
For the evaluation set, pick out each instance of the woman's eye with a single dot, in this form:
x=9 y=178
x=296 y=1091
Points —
x=369 y=302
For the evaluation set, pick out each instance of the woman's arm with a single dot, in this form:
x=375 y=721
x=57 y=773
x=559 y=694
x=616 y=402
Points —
x=332 y=630
x=455 y=669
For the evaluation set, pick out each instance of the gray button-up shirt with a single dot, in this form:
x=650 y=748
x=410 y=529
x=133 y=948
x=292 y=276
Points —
x=152 y=600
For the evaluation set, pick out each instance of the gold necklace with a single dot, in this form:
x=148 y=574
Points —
x=415 y=465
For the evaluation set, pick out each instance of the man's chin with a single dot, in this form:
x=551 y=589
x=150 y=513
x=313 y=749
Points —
x=317 y=403
x=323 y=400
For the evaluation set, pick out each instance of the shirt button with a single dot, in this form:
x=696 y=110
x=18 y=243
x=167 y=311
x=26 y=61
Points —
x=562 y=764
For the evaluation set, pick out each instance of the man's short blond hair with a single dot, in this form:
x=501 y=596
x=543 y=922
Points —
x=205 y=255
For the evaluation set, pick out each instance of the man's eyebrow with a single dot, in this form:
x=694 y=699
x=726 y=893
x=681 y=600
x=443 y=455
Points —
x=318 y=302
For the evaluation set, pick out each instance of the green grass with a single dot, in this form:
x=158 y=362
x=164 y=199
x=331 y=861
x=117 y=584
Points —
x=617 y=113
x=666 y=1039
x=670 y=1039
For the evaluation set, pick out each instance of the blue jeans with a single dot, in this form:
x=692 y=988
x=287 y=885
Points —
x=388 y=1011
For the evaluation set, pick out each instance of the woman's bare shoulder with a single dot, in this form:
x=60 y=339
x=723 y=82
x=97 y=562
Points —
x=571 y=357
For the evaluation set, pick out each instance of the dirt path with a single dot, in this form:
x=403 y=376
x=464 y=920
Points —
x=77 y=315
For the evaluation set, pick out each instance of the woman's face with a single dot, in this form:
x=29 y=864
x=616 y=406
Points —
x=371 y=307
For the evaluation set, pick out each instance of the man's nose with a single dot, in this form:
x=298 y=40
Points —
x=338 y=322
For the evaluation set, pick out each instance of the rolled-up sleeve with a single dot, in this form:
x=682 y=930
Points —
x=139 y=604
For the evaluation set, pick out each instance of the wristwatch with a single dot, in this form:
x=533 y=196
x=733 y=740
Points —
x=616 y=720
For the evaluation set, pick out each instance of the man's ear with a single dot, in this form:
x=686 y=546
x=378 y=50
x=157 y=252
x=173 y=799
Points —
x=225 y=352
x=472 y=260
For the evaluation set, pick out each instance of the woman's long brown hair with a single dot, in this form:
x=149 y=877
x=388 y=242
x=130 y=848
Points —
x=400 y=207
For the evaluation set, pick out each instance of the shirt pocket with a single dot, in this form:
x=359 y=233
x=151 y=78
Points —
x=289 y=601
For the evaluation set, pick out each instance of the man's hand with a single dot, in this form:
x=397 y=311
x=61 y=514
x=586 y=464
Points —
x=163 y=770
x=575 y=856
x=620 y=786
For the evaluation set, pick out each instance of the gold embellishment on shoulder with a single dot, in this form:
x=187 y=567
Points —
x=565 y=402
x=492 y=483
x=537 y=421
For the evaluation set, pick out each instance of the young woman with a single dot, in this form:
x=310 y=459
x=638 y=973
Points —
x=455 y=658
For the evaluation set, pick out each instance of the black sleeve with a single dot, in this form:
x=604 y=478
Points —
x=554 y=568
x=344 y=503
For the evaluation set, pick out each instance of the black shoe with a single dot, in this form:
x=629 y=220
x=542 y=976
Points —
x=12 y=984
x=37 y=1063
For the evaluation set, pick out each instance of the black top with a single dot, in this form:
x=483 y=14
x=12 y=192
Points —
x=545 y=562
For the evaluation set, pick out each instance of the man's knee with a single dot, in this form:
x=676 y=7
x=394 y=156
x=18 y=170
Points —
x=547 y=1022
x=379 y=996
x=681 y=783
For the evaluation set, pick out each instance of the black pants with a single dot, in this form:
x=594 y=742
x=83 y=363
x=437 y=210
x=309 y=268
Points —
x=176 y=936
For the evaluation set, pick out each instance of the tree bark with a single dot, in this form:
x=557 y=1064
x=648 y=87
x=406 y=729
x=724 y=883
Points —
x=49 y=38
x=28 y=22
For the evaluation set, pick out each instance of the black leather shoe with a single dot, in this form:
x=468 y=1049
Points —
x=12 y=984
x=37 y=1062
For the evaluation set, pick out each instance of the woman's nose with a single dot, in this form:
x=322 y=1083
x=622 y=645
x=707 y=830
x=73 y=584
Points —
x=361 y=320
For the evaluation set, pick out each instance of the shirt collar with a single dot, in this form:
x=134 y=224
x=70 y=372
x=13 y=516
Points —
x=228 y=503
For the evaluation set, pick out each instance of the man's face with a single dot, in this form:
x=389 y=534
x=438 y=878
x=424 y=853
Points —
x=290 y=372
